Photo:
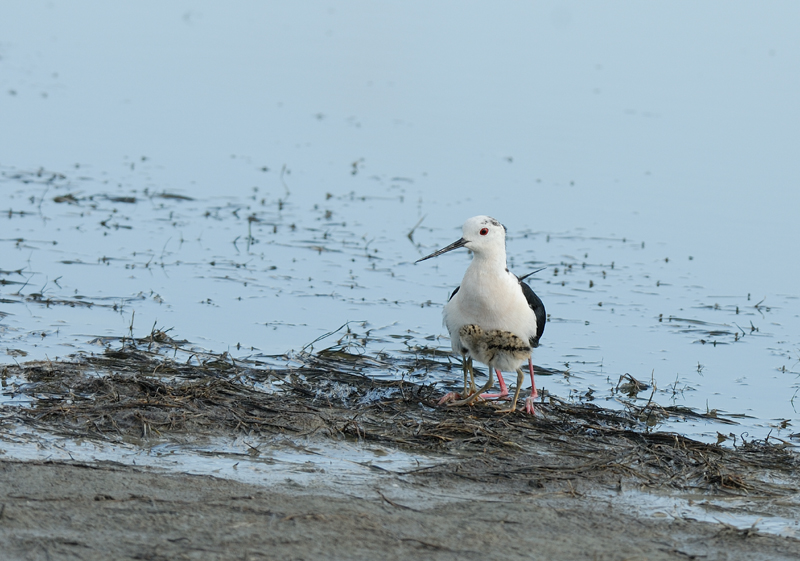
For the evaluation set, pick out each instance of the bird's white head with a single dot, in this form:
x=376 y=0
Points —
x=484 y=235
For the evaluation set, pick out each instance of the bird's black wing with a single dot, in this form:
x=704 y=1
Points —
x=463 y=349
x=538 y=309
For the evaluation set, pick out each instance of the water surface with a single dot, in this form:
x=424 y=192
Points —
x=248 y=176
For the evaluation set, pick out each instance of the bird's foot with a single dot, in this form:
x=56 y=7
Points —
x=529 y=406
x=448 y=397
x=502 y=396
x=469 y=400
x=510 y=409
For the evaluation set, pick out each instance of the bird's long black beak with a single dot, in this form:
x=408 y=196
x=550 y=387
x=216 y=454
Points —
x=455 y=245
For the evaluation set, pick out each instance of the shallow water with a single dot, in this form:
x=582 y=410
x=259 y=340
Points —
x=279 y=461
x=738 y=512
x=248 y=177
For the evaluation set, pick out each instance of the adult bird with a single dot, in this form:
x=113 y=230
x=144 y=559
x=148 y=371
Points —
x=492 y=298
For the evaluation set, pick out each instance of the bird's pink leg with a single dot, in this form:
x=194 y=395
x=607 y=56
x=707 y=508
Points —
x=503 y=389
x=534 y=393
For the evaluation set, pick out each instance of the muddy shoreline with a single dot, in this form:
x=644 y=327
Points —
x=56 y=510
x=554 y=486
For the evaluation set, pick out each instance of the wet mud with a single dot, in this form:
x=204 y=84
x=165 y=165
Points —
x=493 y=484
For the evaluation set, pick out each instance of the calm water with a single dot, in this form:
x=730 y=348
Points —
x=248 y=176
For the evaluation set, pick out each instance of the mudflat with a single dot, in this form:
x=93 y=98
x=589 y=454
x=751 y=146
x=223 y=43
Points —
x=56 y=510
x=558 y=485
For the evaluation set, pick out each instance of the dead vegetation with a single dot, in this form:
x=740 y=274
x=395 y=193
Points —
x=156 y=388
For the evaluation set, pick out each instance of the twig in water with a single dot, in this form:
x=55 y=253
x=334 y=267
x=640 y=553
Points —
x=411 y=233
x=321 y=337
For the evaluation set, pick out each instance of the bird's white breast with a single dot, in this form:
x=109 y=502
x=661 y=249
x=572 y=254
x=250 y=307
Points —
x=491 y=298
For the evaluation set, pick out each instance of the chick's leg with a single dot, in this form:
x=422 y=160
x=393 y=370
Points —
x=477 y=395
x=469 y=382
x=513 y=405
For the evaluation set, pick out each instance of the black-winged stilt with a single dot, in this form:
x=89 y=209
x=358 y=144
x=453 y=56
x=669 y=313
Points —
x=499 y=304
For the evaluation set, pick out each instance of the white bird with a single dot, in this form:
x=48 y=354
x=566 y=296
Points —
x=494 y=299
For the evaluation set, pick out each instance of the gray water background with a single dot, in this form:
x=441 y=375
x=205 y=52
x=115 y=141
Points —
x=646 y=154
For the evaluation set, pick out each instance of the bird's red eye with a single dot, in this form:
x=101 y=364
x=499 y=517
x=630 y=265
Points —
x=484 y=231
